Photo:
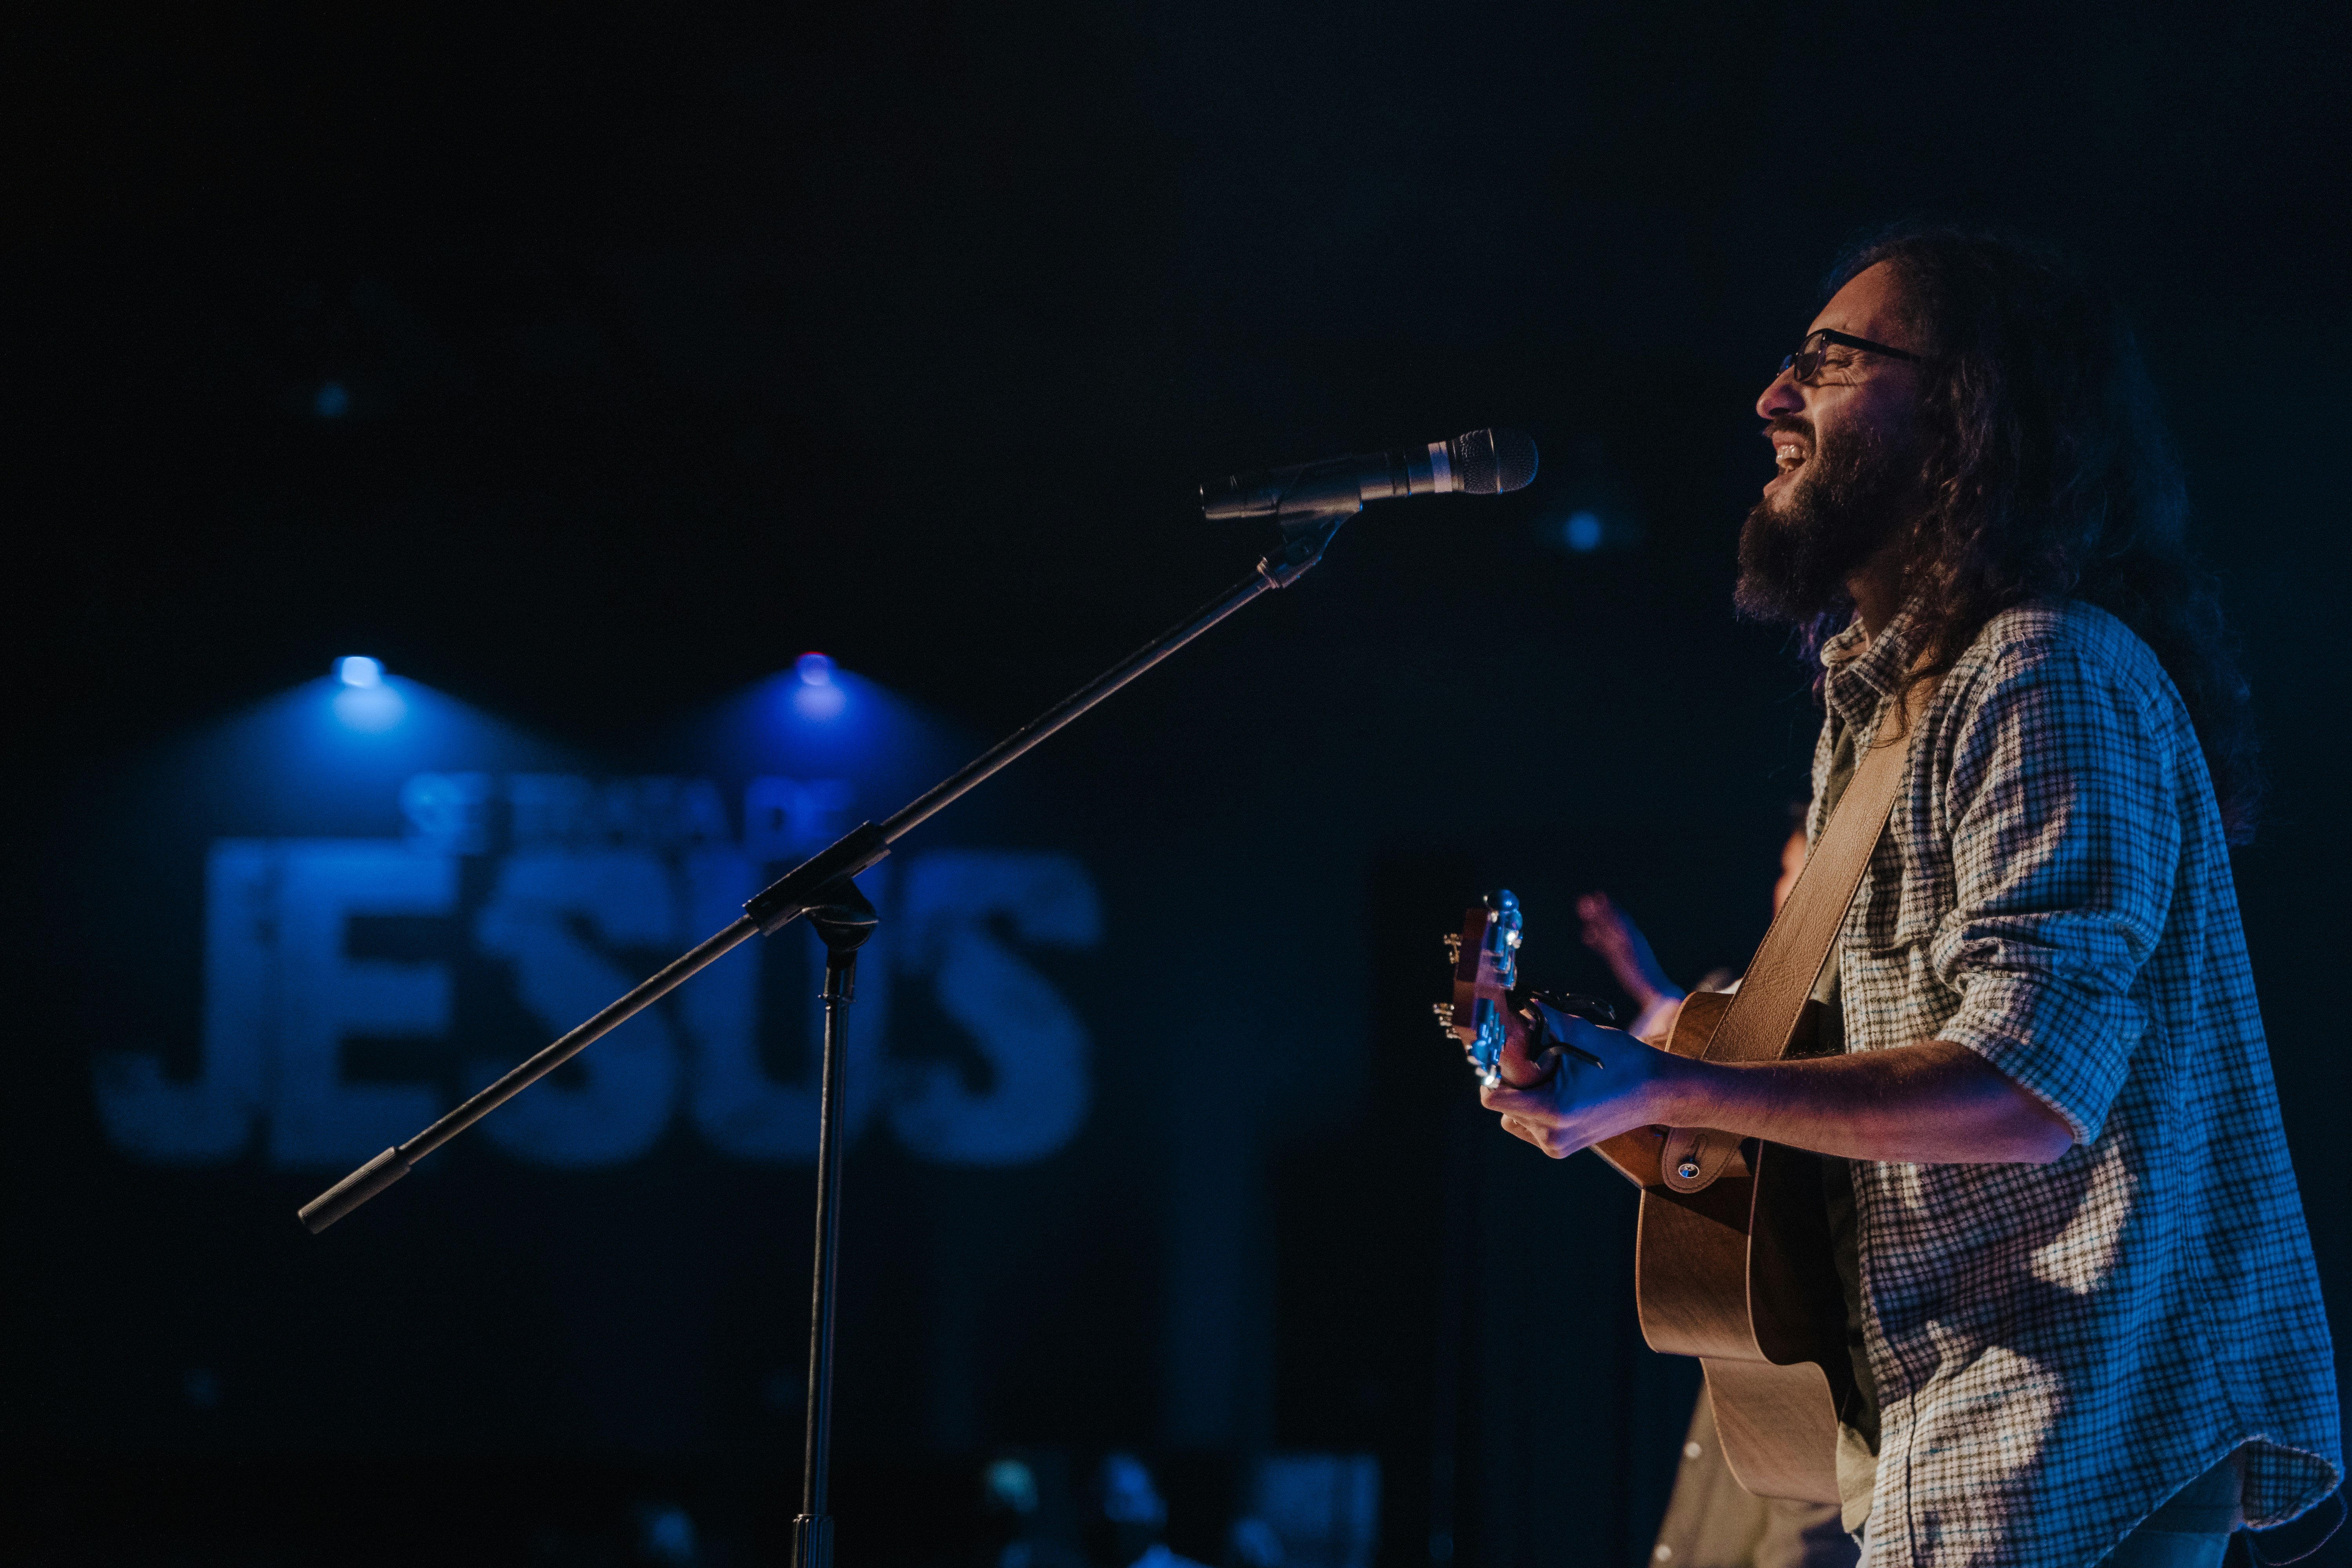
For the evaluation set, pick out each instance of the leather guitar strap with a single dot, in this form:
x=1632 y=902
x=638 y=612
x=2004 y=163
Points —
x=1761 y=1021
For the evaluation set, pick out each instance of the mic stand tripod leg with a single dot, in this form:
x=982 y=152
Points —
x=842 y=921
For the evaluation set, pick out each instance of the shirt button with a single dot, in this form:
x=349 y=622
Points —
x=1662 y=1554
x=1692 y=1450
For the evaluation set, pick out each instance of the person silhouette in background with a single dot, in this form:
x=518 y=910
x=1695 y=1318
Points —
x=1129 y=1522
x=1013 y=1533
x=1712 y=1522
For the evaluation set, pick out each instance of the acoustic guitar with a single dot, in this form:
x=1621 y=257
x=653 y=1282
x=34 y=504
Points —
x=1738 y=1273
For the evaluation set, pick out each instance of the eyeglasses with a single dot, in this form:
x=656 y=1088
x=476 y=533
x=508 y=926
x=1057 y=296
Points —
x=1807 y=361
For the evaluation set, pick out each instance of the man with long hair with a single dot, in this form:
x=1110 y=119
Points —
x=2084 y=1319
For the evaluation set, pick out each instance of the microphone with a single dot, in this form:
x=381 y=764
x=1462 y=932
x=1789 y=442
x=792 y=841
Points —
x=1479 y=463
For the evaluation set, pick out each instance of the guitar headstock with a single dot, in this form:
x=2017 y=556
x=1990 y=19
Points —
x=1486 y=966
x=1486 y=957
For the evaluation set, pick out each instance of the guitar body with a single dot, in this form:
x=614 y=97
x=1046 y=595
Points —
x=1740 y=1274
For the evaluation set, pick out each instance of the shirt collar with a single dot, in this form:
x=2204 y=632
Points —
x=1863 y=671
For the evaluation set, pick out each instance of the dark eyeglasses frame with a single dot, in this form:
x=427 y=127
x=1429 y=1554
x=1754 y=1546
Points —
x=1807 y=361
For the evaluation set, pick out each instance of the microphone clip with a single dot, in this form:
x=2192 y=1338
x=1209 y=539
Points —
x=1304 y=540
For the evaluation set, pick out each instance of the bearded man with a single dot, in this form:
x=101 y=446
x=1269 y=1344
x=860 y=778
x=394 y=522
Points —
x=2084 y=1319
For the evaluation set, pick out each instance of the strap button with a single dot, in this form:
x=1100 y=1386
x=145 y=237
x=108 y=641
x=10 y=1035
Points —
x=1687 y=1169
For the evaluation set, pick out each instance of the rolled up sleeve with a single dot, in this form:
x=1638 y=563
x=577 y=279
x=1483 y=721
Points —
x=2066 y=839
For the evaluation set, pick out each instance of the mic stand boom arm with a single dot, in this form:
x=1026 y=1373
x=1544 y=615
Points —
x=811 y=885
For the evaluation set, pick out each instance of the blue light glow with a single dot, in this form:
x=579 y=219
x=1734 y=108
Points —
x=1582 y=532
x=332 y=400
x=787 y=727
x=366 y=703
x=817 y=697
x=371 y=709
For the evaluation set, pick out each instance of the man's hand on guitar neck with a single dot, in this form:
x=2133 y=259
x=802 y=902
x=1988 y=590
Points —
x=1932 y=1103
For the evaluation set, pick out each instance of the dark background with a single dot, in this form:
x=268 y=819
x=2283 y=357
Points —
x=678 y=343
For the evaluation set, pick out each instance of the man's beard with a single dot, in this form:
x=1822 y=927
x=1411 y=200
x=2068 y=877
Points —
x=1796 y=552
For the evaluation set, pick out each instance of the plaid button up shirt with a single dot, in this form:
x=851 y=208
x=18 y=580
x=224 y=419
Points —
x=2060 y=1348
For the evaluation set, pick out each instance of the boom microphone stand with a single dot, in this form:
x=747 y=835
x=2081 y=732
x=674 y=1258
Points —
x=820 y=890
x=1307 y=503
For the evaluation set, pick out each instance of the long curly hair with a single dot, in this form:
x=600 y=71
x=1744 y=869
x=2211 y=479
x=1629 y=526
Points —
x=2050 y=474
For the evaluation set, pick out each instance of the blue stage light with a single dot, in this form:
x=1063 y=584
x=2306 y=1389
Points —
x=370 y=710
x=366 y=703
x=1582 y=532
x=332 y=400
x=817 y=696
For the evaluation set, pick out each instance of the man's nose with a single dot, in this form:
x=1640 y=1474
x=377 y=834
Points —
x=1783 y=397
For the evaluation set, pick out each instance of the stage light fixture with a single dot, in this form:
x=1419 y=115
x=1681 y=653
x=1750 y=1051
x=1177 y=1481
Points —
x=358 y=670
